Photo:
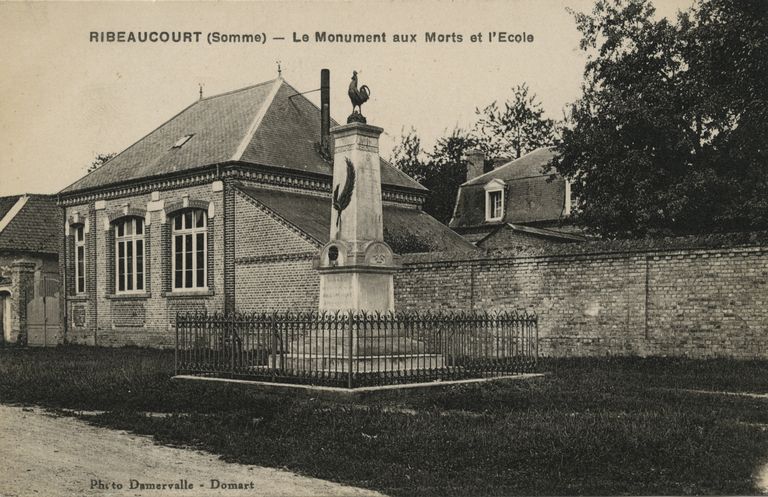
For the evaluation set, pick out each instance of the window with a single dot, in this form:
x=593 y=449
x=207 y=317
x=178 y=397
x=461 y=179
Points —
x=494 y=200
x=190 y=250
x=129 y=251
x=79 y=259
x=495 y=204
x=181 y=141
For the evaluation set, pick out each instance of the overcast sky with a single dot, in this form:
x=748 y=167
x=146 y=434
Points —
x=65 y=99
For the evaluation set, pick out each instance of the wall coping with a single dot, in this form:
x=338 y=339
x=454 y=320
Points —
x=745 y=240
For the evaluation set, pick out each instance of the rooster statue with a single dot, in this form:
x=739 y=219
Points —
x=358 y=98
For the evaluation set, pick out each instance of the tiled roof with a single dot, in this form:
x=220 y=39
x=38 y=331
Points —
x=257 y=125
x=530 y=195
x=527 y=166
x=6 y=203
x=35 y=228
x=312 y=215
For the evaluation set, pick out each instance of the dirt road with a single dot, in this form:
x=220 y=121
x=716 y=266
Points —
x=45 y=455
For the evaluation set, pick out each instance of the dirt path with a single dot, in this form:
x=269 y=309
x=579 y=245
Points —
x=45 y=455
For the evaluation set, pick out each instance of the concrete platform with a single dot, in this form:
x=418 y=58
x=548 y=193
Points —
x=346 y=394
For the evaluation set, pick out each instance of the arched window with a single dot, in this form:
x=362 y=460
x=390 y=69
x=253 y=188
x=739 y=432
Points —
x=129 y=255
x=189 y=245
x=79 y=239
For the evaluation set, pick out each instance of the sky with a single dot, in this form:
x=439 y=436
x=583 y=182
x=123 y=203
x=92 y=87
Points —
x=66 y=99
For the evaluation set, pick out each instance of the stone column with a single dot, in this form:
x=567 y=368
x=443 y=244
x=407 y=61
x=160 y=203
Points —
x=23 y=288
x=356 y=266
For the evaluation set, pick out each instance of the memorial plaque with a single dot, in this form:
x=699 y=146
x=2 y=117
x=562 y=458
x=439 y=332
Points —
x=78 y=316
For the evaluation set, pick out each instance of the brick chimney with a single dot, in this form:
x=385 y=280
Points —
x=475 y=163
x=325 y=111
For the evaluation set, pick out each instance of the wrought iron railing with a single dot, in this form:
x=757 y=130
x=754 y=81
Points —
x=356 y=349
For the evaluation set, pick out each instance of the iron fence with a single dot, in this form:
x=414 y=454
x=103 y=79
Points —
x=356 y=349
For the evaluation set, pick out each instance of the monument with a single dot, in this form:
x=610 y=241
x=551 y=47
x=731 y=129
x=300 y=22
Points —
x=356 y=266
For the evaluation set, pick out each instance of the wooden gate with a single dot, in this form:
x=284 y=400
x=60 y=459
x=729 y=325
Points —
x=43 y=323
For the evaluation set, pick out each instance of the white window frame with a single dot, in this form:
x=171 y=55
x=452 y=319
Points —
x=79 y=239
x=131 y=240
x=493 y=187
x=181 y=234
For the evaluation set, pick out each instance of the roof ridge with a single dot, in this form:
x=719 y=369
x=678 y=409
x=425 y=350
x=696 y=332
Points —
x=303 y=95
x=256 y=123
x=13 y=211
x=230 y=92
x=506 y=164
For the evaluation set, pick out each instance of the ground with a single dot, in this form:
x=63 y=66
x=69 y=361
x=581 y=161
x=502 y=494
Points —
x=44 y=454
x=589 y=426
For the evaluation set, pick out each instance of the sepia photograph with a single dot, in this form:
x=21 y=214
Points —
x=384 y=248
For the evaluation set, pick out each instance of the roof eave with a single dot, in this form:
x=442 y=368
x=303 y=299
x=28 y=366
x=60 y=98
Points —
x=221 y=166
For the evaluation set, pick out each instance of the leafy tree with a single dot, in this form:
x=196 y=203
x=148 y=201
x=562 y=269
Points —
x=441 y=171
x=517 y=129
x=100 y=160
x=669 y=134
x=406 y=243
x=446 y=171
x=408 y=156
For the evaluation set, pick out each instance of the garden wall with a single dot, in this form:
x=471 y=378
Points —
x=698 y=297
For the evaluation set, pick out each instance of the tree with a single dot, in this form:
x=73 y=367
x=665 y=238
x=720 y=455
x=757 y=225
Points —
x=100 y=160
x=518 y=129
x=408 y=156
x=441 y=171
x=669 y=135
x=447 y=170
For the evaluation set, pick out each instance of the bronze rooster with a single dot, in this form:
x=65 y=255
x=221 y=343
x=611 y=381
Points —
x=358 y=97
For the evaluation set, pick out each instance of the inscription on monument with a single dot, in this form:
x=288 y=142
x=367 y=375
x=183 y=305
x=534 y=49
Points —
x=337 y=292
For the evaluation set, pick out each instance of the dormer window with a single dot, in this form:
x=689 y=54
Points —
x=494 y=200
x=181 y=141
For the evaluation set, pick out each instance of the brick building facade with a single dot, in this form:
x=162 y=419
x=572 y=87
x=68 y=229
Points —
x=222 y=208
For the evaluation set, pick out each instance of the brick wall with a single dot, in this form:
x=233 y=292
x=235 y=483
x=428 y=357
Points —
x=698 y=297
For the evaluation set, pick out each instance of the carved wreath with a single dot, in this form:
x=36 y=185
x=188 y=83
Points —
x=341 y=200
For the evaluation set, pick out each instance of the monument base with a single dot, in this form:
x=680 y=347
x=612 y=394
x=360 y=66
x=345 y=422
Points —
x=356 y=288
x=358 y=364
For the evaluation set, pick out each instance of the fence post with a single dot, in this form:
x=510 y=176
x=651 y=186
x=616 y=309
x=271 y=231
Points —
x=273 y=335
x=231 y=329
x=351 y=362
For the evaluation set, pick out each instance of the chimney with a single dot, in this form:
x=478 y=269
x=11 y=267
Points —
x=475 y=163
x=325 y=111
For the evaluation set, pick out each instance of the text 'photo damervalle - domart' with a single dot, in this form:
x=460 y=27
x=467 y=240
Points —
x=406 y=249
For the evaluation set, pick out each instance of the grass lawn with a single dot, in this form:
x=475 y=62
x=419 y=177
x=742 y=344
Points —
x=592 y=426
